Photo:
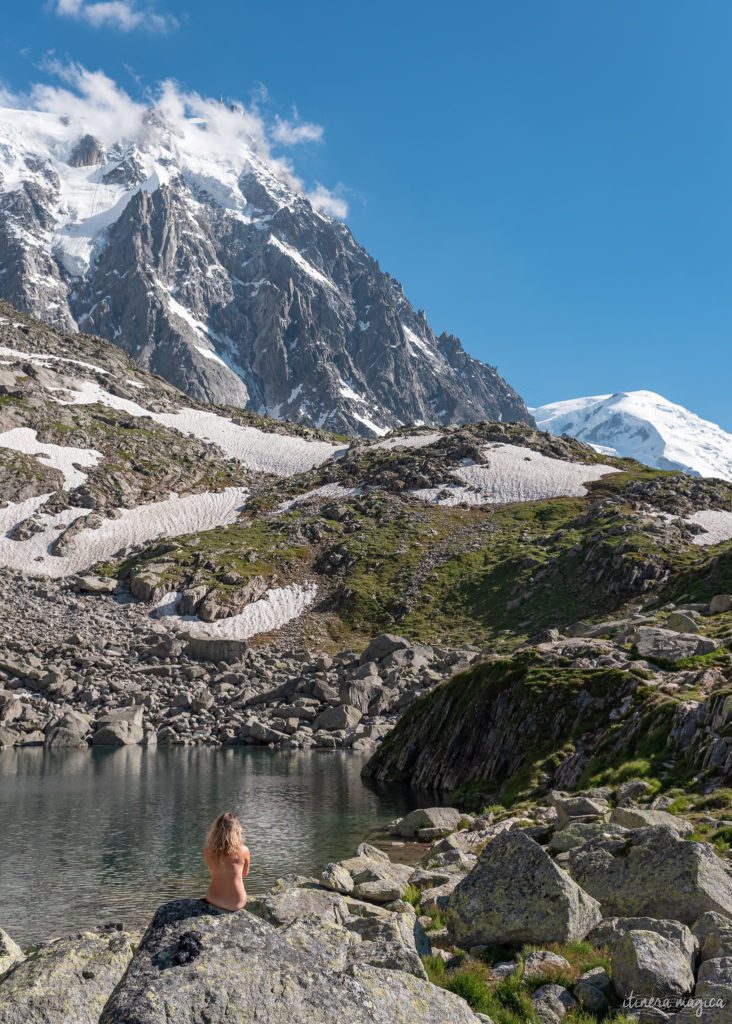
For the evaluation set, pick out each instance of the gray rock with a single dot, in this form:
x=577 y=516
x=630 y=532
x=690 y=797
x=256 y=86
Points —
x=713 y=932
x=67 y=980
x=592 y=990
x=71 y=730
x=444 y=818
x=211 y=649
x=552 y=1003
x=682 y=623
x=653 y=872
x=542 y=963
x=720 y=603
x=646 y=964
x=119 y=727
x=10 y=952
x=609 y=932
x=632 y=789
x=337 y=878
x=195 y=964
x=640 y=817
x=579 y=807
x=340 y=717
x=577 y=833
x=516 y=893
x=668 y=645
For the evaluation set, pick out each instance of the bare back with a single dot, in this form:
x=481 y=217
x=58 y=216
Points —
x=227 y=880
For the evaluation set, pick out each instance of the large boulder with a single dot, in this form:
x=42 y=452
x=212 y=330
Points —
x=577 y=833
x=609 y=932
x=516 y=893
x=342 y=716
x=10 y=952
x=206 y=648
x=446 y=819
x=119 y=727
x=646 y=964
x=640 y=817
x=195 y=964
x=68 y=980
x=651 y=871
x=668 y=645
x=712 y=996
x=383 y=645
x=70 y=730
x=713 y=932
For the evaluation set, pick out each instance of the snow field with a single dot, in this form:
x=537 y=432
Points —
x=67 y=459
x=336 y=491
x=515 y=474
x=716 y=522
x=279 y=454
x=161 y=520
x=278 y=607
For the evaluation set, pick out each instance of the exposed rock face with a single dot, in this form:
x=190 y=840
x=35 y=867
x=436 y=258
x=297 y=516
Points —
x=195 y=963
x=66 y=980
x=652 y=871
x=516 y=893
x=238 y=292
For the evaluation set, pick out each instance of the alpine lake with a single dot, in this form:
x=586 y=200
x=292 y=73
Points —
x=91 y=836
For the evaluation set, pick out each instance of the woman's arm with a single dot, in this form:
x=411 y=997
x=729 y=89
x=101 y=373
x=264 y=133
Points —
x=245 y=862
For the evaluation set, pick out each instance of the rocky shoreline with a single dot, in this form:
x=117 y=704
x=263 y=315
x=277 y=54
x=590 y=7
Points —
x=591 y=903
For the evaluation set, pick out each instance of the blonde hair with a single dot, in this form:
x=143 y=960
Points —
x=225 y=837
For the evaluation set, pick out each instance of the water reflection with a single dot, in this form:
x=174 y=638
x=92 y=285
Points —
x=92 y=836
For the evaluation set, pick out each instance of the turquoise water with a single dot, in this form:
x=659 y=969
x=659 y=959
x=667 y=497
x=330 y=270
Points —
x=90 y=836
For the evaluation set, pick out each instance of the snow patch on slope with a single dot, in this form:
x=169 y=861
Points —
x=644 y=426
x=716 y=522
x=66 y=459
x=514 y=474
x=173 y=517
x=278 y=607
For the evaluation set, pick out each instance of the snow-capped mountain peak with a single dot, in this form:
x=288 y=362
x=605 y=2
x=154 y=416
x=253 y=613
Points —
x=176 y=233
x=645 y=426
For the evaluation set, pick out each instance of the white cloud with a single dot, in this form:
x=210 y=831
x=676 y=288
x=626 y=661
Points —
x=294 y=131
x=193 y=127
x=122 y=14
x=329 y=201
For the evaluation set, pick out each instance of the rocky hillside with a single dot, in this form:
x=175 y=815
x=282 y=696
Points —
x=211 y=271
x=480 y=534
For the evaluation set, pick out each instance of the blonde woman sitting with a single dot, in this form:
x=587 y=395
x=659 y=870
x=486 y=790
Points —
x=227 y=858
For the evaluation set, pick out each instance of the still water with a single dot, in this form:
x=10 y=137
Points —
x=89 y=836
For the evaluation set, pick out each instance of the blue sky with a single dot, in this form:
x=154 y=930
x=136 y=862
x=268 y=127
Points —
x=552 y=182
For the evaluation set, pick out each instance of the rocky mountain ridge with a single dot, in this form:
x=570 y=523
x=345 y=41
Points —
x=210 y=270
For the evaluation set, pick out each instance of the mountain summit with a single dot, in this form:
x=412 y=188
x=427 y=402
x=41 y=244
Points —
x=645 y=426
x=177 y=238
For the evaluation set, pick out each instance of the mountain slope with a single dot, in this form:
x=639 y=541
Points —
x=643 y=426
x=205 y=265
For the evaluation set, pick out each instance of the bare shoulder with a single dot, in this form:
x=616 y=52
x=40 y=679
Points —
x=244 y=853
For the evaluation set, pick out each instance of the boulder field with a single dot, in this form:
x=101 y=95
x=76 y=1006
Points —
x=623 y=923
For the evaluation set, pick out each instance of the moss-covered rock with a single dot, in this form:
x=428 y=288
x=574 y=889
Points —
x=516 y=893
x=66 y=980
